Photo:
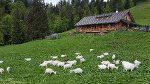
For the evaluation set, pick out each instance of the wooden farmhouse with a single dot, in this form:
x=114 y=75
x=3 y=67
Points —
x=105 y=22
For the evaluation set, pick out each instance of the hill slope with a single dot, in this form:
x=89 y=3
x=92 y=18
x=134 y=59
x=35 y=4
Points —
x=126 y=45
x=141 y=13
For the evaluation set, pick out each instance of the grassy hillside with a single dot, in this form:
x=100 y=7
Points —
x=126 y=45
x=141 y=13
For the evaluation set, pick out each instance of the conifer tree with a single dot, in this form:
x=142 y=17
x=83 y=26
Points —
x=37 y=21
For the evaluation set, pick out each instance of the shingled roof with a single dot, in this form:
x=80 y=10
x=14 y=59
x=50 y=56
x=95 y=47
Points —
x=112 y=18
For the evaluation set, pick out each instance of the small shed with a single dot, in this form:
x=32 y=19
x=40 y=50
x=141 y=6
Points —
x=105 y=22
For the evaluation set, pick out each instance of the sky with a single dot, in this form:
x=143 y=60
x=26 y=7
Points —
x=52 y=1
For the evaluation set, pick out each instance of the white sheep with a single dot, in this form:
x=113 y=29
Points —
x=61 y=64
x=55 y=63
x=82 y=60
x=77 y=71
x=102 y=66
x=1 y=70
x=43 y=64
x=105 y=62
x=101 y=56
x=8 y=69
x=72 y=62
x=91 y=50
x=128 y=66
x=54 y=57
x=50 y=71
x=137 y=63
x=79 y=57
x=78 y=53
x=1 y=62
x=114 y=56
x=63 y=56
x=28 y=59
x=112 y=66
x=116 y=62
x=105 y=54
x=66 y=66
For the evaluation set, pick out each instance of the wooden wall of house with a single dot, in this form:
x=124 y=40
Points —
x=100 y=28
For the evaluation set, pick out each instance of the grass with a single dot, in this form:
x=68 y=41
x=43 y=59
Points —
x=141 y=13
x=126 y=45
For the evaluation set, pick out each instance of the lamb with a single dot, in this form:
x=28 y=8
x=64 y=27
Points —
x=1 y=70
x=61 y=64
x=8 y=69
x=82 y=60
x=128 y=66
x=114 y=56
x=44 y=64
x=112 y=66
x=55 y=63
x=54 y=57
x=50 y=71
x=105 y=62
x=66 y=66
x=91 y=50
x=101 y=56
x=77 y=71
x=102 y=67
x=63 y=56
x=79 y=57
x=1 y=62
x=116 y=62
x=105 y=54
x=137 y=63
x=78 y=53
x=28 y=59
x=72 y=62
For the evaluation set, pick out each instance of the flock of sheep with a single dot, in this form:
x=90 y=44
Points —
x=68 y=64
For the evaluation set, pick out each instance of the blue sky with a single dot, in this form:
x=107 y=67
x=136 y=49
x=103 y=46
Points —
x=53 y=1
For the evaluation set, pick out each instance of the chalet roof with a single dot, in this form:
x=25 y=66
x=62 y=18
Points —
x=103 y=18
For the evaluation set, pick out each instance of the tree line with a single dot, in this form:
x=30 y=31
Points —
x=26 y=20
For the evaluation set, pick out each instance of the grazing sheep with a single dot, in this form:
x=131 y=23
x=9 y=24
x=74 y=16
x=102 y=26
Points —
x=79 y=57
x=28 y=59
x=101 y=56
x=78 y=53
x=128 y=66
x=77 y=71
x=137 y=63
x=61 y=64
x=114 y=56
x=102 y=67
x=82 y=60
x=55 y=63
x=50 y=71
x=112 y=66
x=63 y=56
x=66 y=66
x=116 y=62
x=72 y=62
x=8 y=69
x=1 y=62
x=91 y=50
x=105 y=62
x=1 y=70
x=44 y=64
x=54 y=57
x=105 y=54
